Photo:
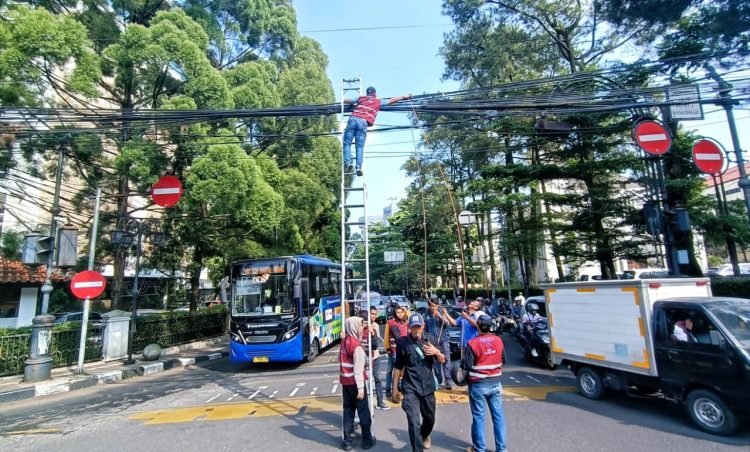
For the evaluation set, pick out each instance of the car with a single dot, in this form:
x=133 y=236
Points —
x=646 y=273
x=420 y=307
x=725 y=270
x=65 y=317
x=539 y=301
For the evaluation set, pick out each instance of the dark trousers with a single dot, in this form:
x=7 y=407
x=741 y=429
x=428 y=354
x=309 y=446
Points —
x=362 y=407
x=443 y=371
x=420 y=415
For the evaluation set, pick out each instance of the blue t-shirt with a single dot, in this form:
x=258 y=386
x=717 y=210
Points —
x=434 y=324
x=468 y=332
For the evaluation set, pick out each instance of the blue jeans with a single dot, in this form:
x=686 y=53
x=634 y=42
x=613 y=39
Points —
x=481 y=396
x=356 y=130
x=389 y=373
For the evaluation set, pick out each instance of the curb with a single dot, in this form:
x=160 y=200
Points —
x=74 y=383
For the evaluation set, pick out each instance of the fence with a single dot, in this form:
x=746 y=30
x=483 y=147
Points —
x=178 y=329
x=16 y=349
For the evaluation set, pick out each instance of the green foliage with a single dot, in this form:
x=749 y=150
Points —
x=180 y=327
x=60 y=301
x=730 y=287
x=10 y=244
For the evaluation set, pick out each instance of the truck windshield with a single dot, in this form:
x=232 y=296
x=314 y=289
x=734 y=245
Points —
x=735 y=316
x=261 y=288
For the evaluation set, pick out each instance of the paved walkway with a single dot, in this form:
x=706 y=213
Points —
x=66 y=379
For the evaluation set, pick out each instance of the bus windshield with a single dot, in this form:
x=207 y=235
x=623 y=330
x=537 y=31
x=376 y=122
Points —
x=262 y=288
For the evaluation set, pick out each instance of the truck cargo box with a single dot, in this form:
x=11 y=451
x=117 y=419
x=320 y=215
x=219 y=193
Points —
x=608 y=323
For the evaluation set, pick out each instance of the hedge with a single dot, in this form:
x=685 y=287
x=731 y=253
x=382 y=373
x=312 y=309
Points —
x=731 y=287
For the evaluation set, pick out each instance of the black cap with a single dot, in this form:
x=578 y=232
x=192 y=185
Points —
x=484 y=323
x=370 y=90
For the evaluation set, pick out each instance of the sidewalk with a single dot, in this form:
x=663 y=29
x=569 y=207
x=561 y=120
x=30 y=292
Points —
x=64 y=379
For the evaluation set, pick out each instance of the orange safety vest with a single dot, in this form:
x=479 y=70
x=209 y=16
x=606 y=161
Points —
x=488 y=352
x=346 y=360
x=367 y=108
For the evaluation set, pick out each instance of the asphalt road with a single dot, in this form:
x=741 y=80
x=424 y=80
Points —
x=216 y=406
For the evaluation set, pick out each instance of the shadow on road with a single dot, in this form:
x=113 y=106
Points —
x=652 y=413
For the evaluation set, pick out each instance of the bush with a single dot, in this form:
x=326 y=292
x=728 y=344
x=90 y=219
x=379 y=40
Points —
x=731 y=287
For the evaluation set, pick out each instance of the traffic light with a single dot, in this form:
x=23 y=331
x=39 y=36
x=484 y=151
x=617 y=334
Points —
x=680 y=219
x=45 y=247
x=652 y=218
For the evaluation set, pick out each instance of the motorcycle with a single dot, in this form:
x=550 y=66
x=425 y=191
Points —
x=535 y=342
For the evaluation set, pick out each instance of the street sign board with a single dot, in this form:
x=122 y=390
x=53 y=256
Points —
x=87 y=284
x=652 y=137
x=393 y=256
x=166 y=191
x=708 y=156
x=685 y=111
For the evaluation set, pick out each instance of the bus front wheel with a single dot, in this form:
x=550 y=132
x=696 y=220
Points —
x=314 y=350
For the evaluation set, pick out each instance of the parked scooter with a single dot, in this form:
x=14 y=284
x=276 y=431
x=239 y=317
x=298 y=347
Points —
x=535 y=342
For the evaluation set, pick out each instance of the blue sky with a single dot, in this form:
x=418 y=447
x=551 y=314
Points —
x=395 y=61
x=405 y=60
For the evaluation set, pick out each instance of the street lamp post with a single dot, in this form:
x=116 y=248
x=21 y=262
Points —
x=136 y=228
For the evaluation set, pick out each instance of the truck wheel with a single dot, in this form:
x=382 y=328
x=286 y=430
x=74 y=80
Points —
x=590 y=383
x=710 y=413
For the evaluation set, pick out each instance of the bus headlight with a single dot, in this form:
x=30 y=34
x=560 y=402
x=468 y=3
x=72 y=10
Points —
x=290 y=334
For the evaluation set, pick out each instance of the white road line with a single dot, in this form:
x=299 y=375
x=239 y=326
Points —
x=315 y=389
x=532 y=378
x=260 y=388
x=294 y=391
x=273 y=395
x=214 y=397
x=515 y=379
x=230 y=399
x=335 y=388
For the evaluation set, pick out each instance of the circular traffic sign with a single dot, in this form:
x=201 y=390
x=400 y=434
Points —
x=166 y=191
x=652 y=137
x=708 y=156
x=87 y=284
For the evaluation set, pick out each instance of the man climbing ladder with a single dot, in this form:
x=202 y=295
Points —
x=366 y=109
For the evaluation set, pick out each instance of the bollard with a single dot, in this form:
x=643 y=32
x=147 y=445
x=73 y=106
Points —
x=39 y=365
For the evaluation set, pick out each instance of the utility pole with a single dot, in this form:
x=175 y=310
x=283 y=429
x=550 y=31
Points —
x=726 y=102
x=55 y=210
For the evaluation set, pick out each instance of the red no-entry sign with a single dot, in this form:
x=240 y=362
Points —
x=88 y=284
x=708 y=156
x=652 y=137
x=166 y=191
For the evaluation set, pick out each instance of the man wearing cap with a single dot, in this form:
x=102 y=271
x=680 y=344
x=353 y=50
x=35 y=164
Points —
x=483 y=360
x=416 y=356
x=437 y=320
x=366 y=109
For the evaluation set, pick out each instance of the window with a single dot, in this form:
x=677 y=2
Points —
x=9 y=301
x=689 y=326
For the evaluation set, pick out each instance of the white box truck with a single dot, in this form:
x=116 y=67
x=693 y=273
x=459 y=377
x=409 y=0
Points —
x=659 y=336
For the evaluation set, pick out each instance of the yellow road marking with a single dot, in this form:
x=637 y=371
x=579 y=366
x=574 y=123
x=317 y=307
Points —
x=298 y=406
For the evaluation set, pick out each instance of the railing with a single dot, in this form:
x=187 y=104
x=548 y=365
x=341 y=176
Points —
x=64 y=346
x=180 y=329
x=14 y=351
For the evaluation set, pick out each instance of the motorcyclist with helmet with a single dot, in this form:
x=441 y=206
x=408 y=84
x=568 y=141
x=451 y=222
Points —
x=530 y=318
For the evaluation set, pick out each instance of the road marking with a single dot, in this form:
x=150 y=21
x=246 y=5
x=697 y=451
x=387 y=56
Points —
x=230 y=399
x=335 y=388
x=260 y=388
x=273 y=394
x=314 y=390
x=515 y=379
x=294 y=391
x=291 y=407
x=34 y=431
x=214 y=397
x=532 y=378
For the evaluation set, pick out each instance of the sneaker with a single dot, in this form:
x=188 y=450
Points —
x=426 y=442
x=348 y=168
x=383 y=407
x=345 y=446
x=388 y=394
x=360 y=172
x=370 y=445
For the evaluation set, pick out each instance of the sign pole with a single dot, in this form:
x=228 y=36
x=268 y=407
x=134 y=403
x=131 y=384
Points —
x=84 y=329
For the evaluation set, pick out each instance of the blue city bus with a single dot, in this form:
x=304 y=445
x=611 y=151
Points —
x=284 y=309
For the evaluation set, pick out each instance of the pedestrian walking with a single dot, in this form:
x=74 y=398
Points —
x=483 y=360
x=371 y=340
x=365 y=112
x=352 y=376
x=417 y=354
x=437 y=320
x=396 y=327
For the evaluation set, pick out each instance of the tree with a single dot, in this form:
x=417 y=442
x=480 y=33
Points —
x=10 y=244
